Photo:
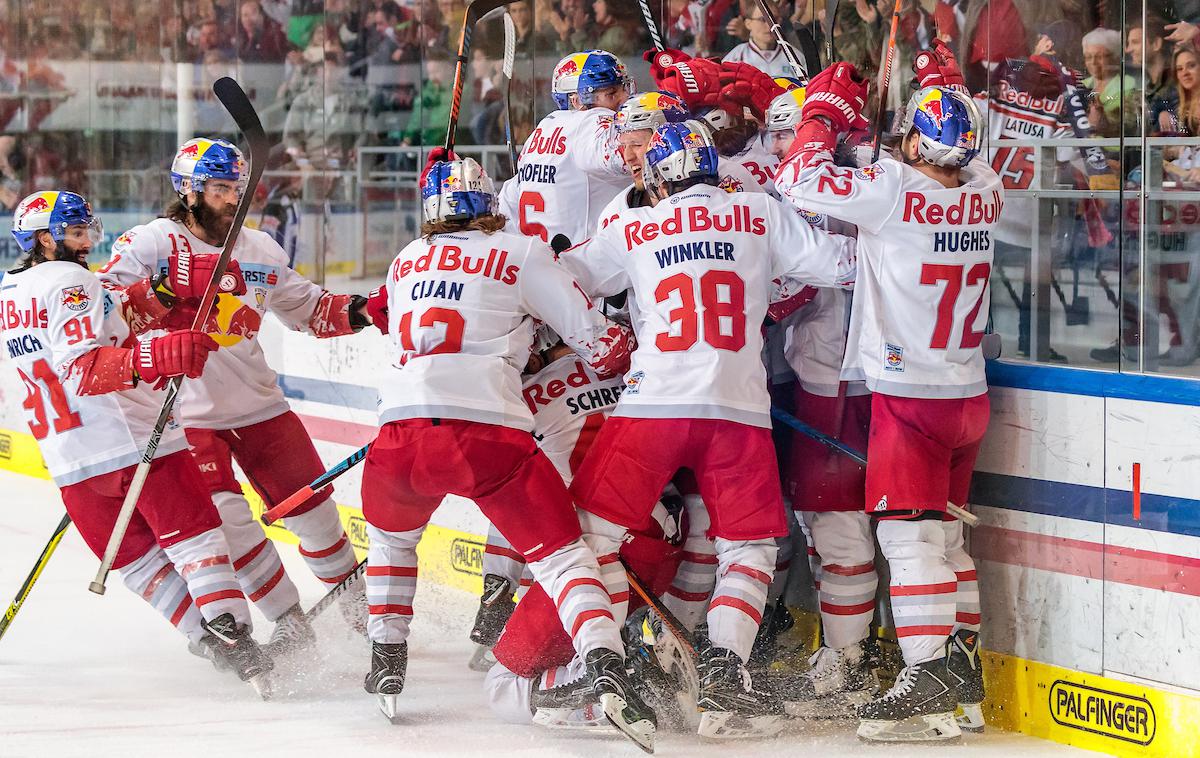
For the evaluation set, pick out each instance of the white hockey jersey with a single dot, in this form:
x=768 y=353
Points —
x=816 y=343
x=759 y=162
x=771 y=62
x=238 y=388
x=570 y=167
x=460 y=316
x=1016 y=115
x=569 y=404
x=52 y=314
x=700 y=265
x=925 y=256
x=733 y=178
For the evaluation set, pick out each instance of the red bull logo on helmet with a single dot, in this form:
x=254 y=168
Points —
x=190 y=150
x=932 y=106
x=692 y=139
x=39 y=204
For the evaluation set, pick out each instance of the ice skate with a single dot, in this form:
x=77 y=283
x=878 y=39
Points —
x=293 y=633
x=495 y=606
x=918 y=708
x=622 y=705
x=389 y=662
x=655 y=672
x=731 y=707
x=777 y=619
x=569 y=705
x=229 y=646
x=966 y=672
x=837 y=682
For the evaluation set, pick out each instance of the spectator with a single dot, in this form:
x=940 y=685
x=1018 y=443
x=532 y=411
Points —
x=259 y=39
x=568 y=30
x=452 y=12
x=530 y=42
x=994 y=30
x=1148 y=52
x=434 y=34
x=762 y=49
x=1114 y=110
x=1185 y=119
x=208 y=39
x=431 y=109
x=617 y=32
x=394 y=37
x=857 y=37
x=325 y=122
x=487 y=98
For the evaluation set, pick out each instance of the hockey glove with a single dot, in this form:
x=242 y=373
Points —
x=336 y=315
x=937 y=67
x=436 y=155
x=838 y=94
x=660 y=60
x=181 y=353
x=614 y=349
x=696 y=81
x=377 y=308
x=188 y=276
x=749 y=87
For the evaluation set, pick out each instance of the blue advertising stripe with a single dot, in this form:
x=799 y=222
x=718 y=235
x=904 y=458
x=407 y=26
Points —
x=1160 y=513
x=1076 y=381
x=329 y=392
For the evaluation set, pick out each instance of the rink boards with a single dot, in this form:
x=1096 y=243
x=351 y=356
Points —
x=1088 y=550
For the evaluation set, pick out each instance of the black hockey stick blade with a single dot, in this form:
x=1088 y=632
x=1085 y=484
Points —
x=831 y=8
x=15 y=606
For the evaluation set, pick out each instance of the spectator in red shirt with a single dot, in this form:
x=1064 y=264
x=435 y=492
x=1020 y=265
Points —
x=259 y=39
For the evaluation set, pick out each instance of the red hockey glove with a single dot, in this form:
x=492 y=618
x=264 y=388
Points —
x=748 y=86
x=337 y=315
x=377 y=308
x=181 y=353
x=837 y=94
x=188 y=276
x=937 y=67
x=141 y=305
x=660 y=60
x=697 y=81
x=436 y=155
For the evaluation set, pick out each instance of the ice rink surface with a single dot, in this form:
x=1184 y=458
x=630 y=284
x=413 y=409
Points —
x=85 y=675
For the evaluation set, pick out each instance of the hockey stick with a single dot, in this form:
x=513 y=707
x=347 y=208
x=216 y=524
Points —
x=968 y=518
x=648 y=17
x=336 y=591
x=27 y=587
x=510 y=54
x=293 y=501
x=240 y=108
x=831 y=8
x=885 y=81
x=789 y=50
x=476 y=10
x=670 y=621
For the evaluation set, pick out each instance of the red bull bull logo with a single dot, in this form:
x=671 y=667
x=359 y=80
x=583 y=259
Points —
x=190 y=150
x=37 y=205
x=75 y=298
x=658 y=141
x=569 y=67
x=932 y=106
x=692 y=139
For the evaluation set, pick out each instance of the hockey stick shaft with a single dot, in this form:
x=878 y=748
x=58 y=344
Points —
x=648 y=17
x=476 y=10
x=27 y=587
x=831 y=8
x=510 y=55
x=293 y=501
x=336 y=591
x=670 y=620
x=778 y=413
x=235 y=101
x=885 y=81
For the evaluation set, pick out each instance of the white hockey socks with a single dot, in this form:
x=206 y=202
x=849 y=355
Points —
x=967 y=613
x=391 y=583
x=690 y=590
x=743 y=576
x=844 y=550
x=323 y=543
x=203 y=562
x=255 y=560
x=924 y=588
x=501 y=559
x=153 y=577
x=571 y=577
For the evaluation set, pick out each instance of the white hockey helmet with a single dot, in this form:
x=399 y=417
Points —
x=650 y=110
x=54 y=211
x=457 y=190
x=784 y=111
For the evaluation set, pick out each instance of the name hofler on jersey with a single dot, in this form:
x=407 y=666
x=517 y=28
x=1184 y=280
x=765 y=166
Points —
x=569 y=169
x=52 y=314
x=700 y=264
x=921 y=299
x=460 y=316
x=209 y=402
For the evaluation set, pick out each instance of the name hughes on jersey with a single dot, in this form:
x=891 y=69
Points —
x=962 y=242
x=451 y=258
x=697 y=219
x=598 y=397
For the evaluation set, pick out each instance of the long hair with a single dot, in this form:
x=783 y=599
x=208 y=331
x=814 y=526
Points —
x=489 y=223
x=176 y=211
x=1188 y=111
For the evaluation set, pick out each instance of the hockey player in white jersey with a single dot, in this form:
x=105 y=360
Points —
x=925 y=226
x=237 y=410
x=461 y=304
x=570 y=167
x=91 y=405
x=700 y=264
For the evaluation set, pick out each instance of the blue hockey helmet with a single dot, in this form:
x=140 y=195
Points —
x=585 y=73
x=201 y=159
x=457 y=190
x=678 y=152
x=54 y=211
x=948 y=123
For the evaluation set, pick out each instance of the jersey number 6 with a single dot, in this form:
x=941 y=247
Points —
x=722 y=296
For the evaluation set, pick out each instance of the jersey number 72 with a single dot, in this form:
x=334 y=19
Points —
x=952 y=275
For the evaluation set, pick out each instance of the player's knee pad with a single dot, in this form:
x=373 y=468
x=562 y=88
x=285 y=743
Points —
x=903 y=541
x=385 y=540
x=956 y=551
x=508 y=695
x=600 y=534
x=756 y=554
x=842 y=538
x=322 y=523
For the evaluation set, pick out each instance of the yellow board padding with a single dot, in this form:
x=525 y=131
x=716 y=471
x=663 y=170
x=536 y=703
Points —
x=1084 y=710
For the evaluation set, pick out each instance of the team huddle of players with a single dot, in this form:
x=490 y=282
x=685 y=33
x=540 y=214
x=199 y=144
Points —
x=604 y=404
